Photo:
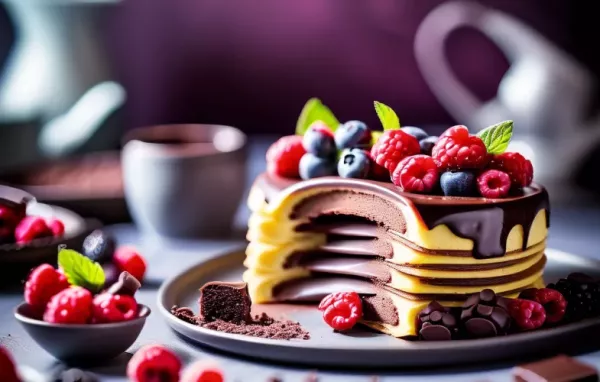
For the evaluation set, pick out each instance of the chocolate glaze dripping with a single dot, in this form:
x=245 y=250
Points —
x=488 y=225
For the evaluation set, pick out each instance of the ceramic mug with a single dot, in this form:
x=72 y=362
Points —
x=184 y=180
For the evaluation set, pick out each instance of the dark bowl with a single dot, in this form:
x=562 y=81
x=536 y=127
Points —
x=82 y=343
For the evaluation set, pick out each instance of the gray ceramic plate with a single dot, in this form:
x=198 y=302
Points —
x=361 y=347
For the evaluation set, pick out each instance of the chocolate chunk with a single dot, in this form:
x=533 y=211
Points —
x=225 y=301
x=485 y=315
x=556 y=369
x=185 y=314
x=126 y=284
x=437 y=323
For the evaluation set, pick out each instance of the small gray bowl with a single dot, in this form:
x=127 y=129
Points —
x=82 y=343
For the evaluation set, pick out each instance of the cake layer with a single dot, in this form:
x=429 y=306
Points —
x=484 y=228
x=385 y=310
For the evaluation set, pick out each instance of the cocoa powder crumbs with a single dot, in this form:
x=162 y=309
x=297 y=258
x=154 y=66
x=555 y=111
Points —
x=262 y=326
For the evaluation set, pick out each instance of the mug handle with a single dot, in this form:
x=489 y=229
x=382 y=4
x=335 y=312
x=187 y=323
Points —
x=430 y=40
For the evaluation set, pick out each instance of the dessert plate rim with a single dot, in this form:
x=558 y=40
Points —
x=267 y=348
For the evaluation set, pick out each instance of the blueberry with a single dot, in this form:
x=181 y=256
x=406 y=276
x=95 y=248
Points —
x=312 y=166
x=318 y=140
x=458 y=183
x=99 y=246
x=427 y=144
x=354 y=163
x=416 y=132
x=352 y=134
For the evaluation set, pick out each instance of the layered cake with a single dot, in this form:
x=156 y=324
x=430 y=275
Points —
x=449 y=217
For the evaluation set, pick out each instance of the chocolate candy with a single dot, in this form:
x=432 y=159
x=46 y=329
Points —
x=437 y=323
x=225 y=301
x=126 y=284
x=556 y=369
x=485 y=315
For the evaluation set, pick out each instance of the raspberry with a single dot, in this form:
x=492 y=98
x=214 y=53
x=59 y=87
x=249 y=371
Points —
x=8 y=372
x=417 y=173
x=341 y=311
x=393 y=146
x=154 y=363
x=56 y=227
x=516 y=166
x=42 y=284
x=31 y=227
x=493 y=184
x=553 y=302
x=456 y=149
x=202 y=371
x=527 y=314
x=113 y=308
x=70 y=306
x=283 y=157
x=9 y=218
x=127 y=259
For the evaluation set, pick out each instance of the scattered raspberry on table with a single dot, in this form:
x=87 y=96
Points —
x=154 y=363
x=8 y=372
x=202 y=371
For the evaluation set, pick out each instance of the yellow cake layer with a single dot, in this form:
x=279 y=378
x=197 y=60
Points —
x=271 y=222
x=409 y=309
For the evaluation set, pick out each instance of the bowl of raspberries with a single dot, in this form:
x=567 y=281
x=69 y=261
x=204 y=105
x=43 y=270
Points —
x=76 y=312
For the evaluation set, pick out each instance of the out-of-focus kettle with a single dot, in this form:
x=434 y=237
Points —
x=57 y=81
x=545 y=91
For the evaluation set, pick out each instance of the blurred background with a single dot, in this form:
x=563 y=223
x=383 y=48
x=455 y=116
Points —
x=75 y=76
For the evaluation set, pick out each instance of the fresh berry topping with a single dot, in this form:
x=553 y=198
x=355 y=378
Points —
x=352 y=134
x=70 y=306
x=128 y=259
x=416 y=132
x=56 y=227
x=284 y=156
x=392 y=147
x=527 y=314
x=318 y=140
x=9 y=218
x=153 y=363
x=30 y=228
x=437 y=323
x=354 y=163
x=114 y=308
x=516 y=166
x=417 y=173
x=583 y=297
x=377 y=172
x=554 y=304
x=42 y=284
x=202 y=371
x=311 y=166
x=485 y=315
x=427 y=144
x=8 y=372
x=343 y=310
x=456 y=149
x=460 y=183
x=493 y=184
x=99 y=246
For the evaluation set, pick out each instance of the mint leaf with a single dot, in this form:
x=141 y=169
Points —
x=497 y=137
x=314 y=110
x=80 y=270
x=387 y=116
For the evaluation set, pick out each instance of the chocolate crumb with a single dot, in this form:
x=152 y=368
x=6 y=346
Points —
x=262 y=326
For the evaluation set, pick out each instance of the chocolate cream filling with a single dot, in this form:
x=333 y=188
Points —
x=485 y=221
x=380 y=271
